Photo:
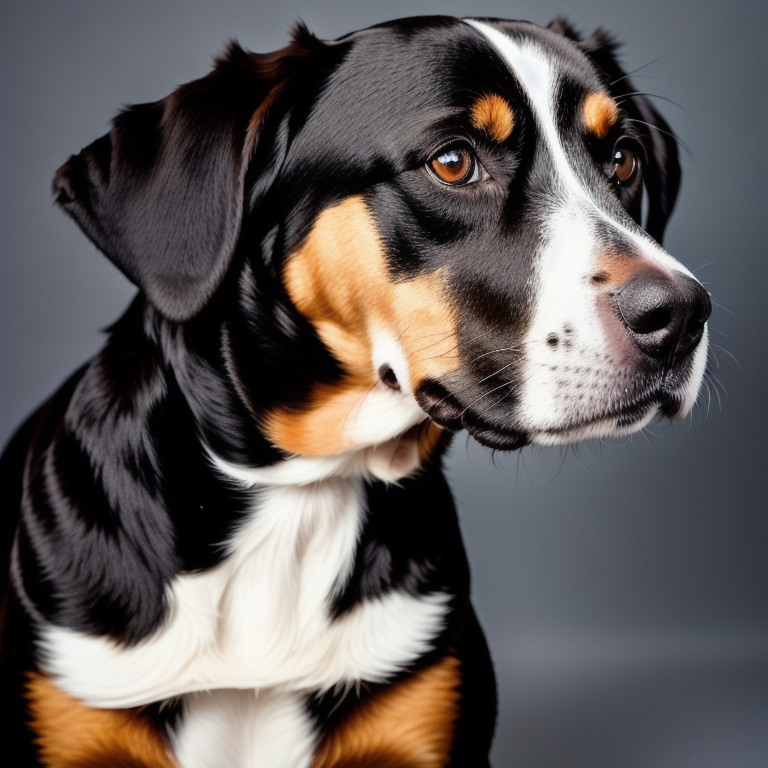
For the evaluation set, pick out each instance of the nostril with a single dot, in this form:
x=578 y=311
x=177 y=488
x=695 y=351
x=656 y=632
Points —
x=649 y=321
x=647 y=303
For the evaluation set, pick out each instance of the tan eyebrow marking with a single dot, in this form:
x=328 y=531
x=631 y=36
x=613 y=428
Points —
x=493 y=115
x=599 y=113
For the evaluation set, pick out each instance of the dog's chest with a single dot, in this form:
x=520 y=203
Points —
x=262 y=618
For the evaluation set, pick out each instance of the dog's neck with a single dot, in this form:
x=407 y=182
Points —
x=193 y=366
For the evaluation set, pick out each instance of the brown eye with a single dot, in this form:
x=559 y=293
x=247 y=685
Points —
x=455 y=166
x=624 y=164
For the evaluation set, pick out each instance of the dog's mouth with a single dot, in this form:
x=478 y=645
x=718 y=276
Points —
x=621 y=418
x=445 y=409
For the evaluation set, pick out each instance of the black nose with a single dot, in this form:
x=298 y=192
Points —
x=664 y=315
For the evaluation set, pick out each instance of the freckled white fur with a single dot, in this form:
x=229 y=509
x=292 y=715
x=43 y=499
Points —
x=244 y=729
x=259 y=619
x=564 y=264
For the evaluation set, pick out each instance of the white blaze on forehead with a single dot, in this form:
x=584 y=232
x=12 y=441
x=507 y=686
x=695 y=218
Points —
x=565 y=309
x=539 y=80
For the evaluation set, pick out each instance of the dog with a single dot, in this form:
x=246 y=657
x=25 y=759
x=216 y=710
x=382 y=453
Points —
x=228 y=535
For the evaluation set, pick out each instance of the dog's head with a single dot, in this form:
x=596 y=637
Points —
x=458 y=219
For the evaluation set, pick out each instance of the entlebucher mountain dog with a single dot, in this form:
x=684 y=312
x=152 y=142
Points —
x=229 y=540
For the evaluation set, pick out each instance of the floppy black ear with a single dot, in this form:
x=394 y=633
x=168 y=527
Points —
x=662 y=173
x=162 y=194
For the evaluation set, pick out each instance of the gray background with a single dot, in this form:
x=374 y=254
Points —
x=622 y=587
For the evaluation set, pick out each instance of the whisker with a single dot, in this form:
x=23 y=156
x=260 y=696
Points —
x=709 y=398
x=465 y=342
x=578 y=458
x=525 y=345
x=650 y=432
x=494 y=351
x=434 y=344
x=629 y=74
x=724 y=308
x=719 y=400
x=491 y=391
x=723 y=349
x=442 y=334
x=655 y=96
x=718 y=386
x=495 y=373
x=478 y=399
x=502 y=398
x=591 y=444
x=666 y=133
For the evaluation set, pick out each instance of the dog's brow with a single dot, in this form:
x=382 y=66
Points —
x=599 y=113
x=493 y=115
x=538 y=79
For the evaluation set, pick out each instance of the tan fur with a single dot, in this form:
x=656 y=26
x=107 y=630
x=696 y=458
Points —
x=408 y=725
x=71 y=735
x=339 y=280
x=599 y=113
x=493 y=115
x=612 y=269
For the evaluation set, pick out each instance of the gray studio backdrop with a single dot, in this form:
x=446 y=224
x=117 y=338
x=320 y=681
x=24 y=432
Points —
x=622 y=587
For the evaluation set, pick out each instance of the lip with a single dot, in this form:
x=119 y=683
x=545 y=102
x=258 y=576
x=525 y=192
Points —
x=444 y=409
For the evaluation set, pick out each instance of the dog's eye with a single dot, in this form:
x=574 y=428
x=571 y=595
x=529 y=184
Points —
x=624 y=165
x=456 y=166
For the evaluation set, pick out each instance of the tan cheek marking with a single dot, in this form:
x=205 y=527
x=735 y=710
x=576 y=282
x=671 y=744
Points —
x=599 y=113
x=426 y=325
x=71 y=735
x=339 y=281
x=493 y=115
x=408 y=725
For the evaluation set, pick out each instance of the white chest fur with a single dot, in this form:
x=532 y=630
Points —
x=260 y=619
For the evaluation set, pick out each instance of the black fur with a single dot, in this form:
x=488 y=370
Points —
x=108 y=492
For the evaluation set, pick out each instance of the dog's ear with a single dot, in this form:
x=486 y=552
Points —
x=662 y=172
x=162 y=194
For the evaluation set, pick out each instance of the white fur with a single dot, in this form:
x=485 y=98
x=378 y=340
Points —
x=260 y=618
x=244 y=729
x=563 y=294
x=382 y=415
x=388 y=351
